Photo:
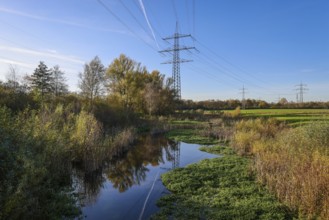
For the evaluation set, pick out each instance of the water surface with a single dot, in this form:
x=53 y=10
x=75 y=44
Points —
x=128 y=187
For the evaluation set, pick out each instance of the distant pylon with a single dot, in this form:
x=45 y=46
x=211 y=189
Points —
x=300 y=92
x=243 y=91
x=176 y=59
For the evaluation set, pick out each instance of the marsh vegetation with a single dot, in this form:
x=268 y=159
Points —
x=57 y=149
x=283 y=165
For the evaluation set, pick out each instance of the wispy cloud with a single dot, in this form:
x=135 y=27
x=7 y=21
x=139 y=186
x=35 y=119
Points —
x=15 y=62
x=148 y=22
x=65 y=22
x=42 y=54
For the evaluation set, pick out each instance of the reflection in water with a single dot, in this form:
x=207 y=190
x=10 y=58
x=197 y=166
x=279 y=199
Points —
x=128 y=169
x=175 y=153
x=129 y=186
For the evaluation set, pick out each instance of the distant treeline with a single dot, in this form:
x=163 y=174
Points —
x=249 y=104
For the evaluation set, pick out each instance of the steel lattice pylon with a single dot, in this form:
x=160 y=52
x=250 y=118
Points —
x=176 y=59
x=176 y=65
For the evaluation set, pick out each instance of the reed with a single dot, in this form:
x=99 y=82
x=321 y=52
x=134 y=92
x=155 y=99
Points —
x=292 y=163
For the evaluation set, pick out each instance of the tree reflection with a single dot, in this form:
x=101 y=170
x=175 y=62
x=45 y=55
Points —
x=129 y=168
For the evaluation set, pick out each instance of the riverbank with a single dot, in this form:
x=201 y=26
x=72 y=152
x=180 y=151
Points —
x=220 y=188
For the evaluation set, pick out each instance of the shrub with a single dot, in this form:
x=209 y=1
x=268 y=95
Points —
x=247 y=132
x=233 y=114
x=87 y=137
x=36 y=177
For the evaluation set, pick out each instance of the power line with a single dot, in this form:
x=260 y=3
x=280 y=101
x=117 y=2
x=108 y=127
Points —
x=209 y=75
x=134 y=17
x=174 y=8
x=222 y=69
x=193 y=12
x=154 y=27
x=188 y=15
x=230 y=63
x=123 y=23
x=216 y=65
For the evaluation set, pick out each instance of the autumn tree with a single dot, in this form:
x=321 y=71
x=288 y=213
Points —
x=126 y=80
x=92 y=80
x=137 y=90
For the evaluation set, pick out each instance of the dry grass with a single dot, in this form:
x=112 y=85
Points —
x=292 y=163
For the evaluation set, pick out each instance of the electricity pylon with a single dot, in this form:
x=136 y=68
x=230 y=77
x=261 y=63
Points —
x=301 y=90
x=176 y=59
x=243 y=91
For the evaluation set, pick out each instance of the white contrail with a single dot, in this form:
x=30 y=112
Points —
x=147 y=20
x=42 y=54
x=148 y=196
x=71 y=23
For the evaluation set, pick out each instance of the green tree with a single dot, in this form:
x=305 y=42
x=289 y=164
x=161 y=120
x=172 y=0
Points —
x=41 y=80
x=92 y=80
x=137 y=90
x=126 y=80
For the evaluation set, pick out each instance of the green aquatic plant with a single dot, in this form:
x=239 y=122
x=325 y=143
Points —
x=220 y=188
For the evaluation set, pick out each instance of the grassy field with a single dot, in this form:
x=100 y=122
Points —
x=291 y=116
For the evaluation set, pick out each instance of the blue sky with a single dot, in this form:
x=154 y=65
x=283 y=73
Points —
x=267 y=46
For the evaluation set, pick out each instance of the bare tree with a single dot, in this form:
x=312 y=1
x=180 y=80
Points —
x=58 y=81
x=92 y=79
x=152 y=98
x=13 y=77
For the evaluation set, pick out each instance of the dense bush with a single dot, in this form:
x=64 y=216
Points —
x=35 y=182
x=37 y=148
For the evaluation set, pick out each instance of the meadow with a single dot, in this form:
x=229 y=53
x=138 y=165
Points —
x=290 y=116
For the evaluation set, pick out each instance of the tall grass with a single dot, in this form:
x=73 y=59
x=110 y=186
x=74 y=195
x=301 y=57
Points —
x=292 y=163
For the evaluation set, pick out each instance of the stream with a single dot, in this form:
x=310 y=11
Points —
x=129 y=187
